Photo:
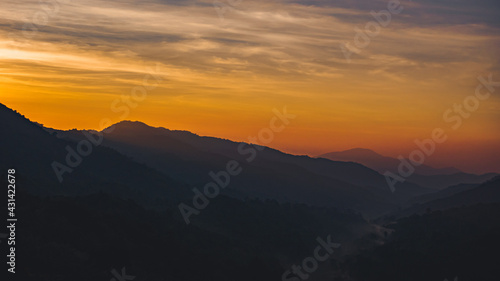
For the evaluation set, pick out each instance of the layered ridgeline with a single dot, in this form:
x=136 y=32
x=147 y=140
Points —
x=264 y=173
x=98 y=201
x=93 y=209
x=156 y=166
x=423 y=175
x=34 y=153
x=456 y=196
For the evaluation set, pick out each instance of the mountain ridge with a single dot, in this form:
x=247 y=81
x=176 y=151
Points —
x=424 y=175
x=383 y=163
x=188 y=157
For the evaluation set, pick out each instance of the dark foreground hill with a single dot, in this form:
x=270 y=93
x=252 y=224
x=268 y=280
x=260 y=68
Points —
x=460 y=242
x=118 y=209
x=111 y=212
x=32 y=151
x=84 y=238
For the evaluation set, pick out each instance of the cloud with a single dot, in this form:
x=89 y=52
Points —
x=260 y=54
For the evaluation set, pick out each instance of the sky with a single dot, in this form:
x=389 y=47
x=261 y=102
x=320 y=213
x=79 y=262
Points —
x=220 y=68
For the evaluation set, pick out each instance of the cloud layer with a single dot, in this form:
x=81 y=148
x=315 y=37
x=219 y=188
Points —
x=226 y=64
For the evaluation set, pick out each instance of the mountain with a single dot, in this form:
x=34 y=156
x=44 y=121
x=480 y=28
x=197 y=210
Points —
x=267 y=173
x=488 y=192
x=447 y=192
x=112 y=212
x=454 y=244
x=32 y=151
x=424 y=175
x=444 y=181
x=88 y=236
x=117 y=208
x=382 y=163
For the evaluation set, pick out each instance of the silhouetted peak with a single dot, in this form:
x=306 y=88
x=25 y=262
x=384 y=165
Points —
x=364 y=151
x=354 y=152
x=135 y=127
x=132 y=124
x=129 y=126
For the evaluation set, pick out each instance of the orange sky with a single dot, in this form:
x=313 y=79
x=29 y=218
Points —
x=223 y=77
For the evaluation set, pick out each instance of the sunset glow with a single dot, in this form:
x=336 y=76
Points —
x=223 y=76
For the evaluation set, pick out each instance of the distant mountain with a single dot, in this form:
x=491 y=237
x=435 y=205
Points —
x=118 y=208
x=488 y=192
x=436 y=178
x=112 y=212
x=382 y=163
x=267 y=173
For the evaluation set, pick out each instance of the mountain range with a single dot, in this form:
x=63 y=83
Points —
x=90 y=197
x=424 y=175
x=267 y=173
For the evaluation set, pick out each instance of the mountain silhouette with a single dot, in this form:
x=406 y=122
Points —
x=118 y=207
x=436 y=245
x=427 y=176
x=382 y=163
x=31 y=150
x=270 y=174
x=112 y=211
x=485 y=193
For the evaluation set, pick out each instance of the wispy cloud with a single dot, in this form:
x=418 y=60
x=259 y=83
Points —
x=263 y=52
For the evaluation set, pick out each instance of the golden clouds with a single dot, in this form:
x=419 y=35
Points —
x=222 y=77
